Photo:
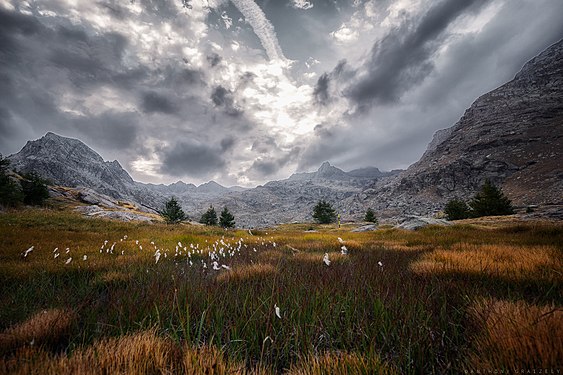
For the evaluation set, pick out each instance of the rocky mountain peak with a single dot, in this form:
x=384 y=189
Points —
x=327 y=171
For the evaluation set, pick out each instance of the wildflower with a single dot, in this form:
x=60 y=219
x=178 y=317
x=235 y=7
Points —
x=326 y=260
x=68 y=261
x=277 y=309
x=344 y=250
x=28 y=251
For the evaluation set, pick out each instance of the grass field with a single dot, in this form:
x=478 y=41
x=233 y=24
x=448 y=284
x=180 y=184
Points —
x=97 y=296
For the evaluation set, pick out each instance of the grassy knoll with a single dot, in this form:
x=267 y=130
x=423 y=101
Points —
x=98 y=296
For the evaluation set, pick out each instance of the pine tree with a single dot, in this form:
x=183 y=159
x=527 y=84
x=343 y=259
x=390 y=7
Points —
x=370 y=216
x=456 y=209
x=227 y=220
x=323 y=212
x=172 y=212
x=209 y=217
x=490 y=201
x=10 y=191
x=34 y=188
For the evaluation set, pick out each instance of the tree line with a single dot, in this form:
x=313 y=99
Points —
x=172 y=213
x=21 y=189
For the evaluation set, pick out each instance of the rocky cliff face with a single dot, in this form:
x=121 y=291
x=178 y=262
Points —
x=69 y=162
x=512 y=135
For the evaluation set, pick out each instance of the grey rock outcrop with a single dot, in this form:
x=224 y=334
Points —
x=512 y=135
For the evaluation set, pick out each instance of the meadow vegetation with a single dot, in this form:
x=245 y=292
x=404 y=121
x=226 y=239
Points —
x=161 y=299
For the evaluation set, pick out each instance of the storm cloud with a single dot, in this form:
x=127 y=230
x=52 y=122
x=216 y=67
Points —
x=403 y=58
x=247 y=92
x=192 y=158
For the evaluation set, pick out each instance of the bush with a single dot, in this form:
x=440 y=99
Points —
x=172 y=212
x=370 y=216
x=227 y=220
x=456 y=209
x=323 y=213
x=490 y=201
x=209 y=217
x=34 y=188
x=10 y=191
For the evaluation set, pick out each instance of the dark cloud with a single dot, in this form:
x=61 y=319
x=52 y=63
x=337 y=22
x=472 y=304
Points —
x=404 y=57
x=264 y=145
x=191 y=158
x=268 y=166
x=223 y=98
x=110 y=130
x=227 y=143
x=320 y=92
x=152 y=102
x=214 y=59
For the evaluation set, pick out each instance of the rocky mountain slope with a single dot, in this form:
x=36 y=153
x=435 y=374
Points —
x=512 y=135
x=69 y=162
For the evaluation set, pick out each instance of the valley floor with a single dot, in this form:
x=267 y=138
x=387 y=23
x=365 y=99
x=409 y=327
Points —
x=80 y=295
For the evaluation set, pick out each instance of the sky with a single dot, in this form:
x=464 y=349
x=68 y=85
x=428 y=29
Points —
x=248 y=91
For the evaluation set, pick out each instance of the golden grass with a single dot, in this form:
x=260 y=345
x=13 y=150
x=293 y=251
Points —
x=139 y=353
x=245 y=272
x=340 y=363
x=511 y=262
x=45 y=327
x=318 y=258
x=516 y=335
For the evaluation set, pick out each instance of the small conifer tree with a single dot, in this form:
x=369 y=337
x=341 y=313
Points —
x=209 y=217
x=370 y=216
x=35 y=190
x=456 y=209
x=490 y=201
x=172 y=212
x=10 y=191
x=323 y=212
x=227 y=220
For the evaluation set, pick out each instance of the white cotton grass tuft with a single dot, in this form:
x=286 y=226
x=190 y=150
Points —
x=68 y=260
x=326 y=259
x=344 y=250
x=156 y=256
x=277 y=310
x=340 y=240
x=225 y=267
x=85 y=257
x=26 y=253
x=380 y=264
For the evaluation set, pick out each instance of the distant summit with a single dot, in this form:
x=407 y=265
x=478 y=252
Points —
x=329 y=172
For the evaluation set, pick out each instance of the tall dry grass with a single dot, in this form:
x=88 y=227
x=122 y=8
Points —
x=48 y=327
x=515 y=336
x=510 y=262
x=138 y=353
x=340 y=364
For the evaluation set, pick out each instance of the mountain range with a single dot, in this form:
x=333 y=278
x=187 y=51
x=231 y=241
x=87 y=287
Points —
x=512 y=135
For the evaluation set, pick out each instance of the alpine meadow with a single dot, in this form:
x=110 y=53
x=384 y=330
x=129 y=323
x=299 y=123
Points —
x=296 y=187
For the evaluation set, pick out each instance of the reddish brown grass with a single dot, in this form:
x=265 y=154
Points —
x=516 y=335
